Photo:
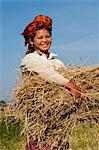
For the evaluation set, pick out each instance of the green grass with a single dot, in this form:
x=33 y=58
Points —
x=83 y=138
x=10 y=138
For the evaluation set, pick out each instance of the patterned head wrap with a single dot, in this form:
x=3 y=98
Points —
x=38 y=23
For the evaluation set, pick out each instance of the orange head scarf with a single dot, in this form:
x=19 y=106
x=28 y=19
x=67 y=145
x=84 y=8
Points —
x=39 y=22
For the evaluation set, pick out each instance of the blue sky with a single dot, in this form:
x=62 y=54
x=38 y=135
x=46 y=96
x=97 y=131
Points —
x=75 y=33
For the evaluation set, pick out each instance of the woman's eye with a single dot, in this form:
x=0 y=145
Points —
x=40 y=37
x=47 y=36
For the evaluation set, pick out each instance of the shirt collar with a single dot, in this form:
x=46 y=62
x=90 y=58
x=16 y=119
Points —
x=51 y=54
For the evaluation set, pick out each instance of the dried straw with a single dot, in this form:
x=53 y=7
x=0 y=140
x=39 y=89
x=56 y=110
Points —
x=48 y=110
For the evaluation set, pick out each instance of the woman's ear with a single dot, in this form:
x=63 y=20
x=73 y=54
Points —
x=30 y=41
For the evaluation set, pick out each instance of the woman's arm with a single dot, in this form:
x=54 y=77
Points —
x=33 y=63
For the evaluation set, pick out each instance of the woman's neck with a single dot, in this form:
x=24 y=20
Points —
x=43 y=52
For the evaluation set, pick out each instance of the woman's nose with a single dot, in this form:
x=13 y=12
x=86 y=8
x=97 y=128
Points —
x=44 y=39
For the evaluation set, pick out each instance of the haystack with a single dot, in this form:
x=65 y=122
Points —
x=49 y=111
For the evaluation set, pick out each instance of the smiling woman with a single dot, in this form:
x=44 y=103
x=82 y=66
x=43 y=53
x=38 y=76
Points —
x=42 y=41
x=38 y=37
x=38 y=34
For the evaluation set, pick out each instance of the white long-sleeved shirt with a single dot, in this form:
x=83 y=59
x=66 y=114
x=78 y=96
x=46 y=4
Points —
x=45 y=67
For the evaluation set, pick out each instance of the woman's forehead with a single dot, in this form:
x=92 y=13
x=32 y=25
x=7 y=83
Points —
x=42 y=32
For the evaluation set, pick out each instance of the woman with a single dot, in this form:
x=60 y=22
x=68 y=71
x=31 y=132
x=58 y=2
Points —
x=38 y=38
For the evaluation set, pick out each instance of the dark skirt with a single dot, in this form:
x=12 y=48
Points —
x=34 y=145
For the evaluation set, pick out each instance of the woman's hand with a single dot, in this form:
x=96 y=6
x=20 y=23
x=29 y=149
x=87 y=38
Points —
x=75 y=91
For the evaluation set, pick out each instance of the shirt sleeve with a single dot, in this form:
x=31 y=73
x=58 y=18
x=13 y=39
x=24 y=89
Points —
x=56 y=64
x=34 y=63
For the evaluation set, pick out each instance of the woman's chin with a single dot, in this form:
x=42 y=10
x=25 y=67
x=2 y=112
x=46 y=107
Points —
x=44 y=50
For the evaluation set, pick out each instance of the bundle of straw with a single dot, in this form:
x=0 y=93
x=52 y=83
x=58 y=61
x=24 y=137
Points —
x=49 y=112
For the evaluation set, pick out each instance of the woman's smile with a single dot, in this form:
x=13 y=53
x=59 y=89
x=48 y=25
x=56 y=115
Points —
x=42 y=40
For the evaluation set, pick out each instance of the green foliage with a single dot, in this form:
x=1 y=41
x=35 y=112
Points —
x=10 y=134
x=85 y=138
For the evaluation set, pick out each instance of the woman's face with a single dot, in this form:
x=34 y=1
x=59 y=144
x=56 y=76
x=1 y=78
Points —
x=42 y=40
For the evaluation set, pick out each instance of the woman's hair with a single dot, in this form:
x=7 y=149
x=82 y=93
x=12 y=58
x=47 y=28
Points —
x=38 y=23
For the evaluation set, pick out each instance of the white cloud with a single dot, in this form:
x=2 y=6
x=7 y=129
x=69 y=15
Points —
x=86 y=43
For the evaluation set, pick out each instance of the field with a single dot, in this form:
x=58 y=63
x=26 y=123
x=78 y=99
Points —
x=83 y=137
x=48 y=112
